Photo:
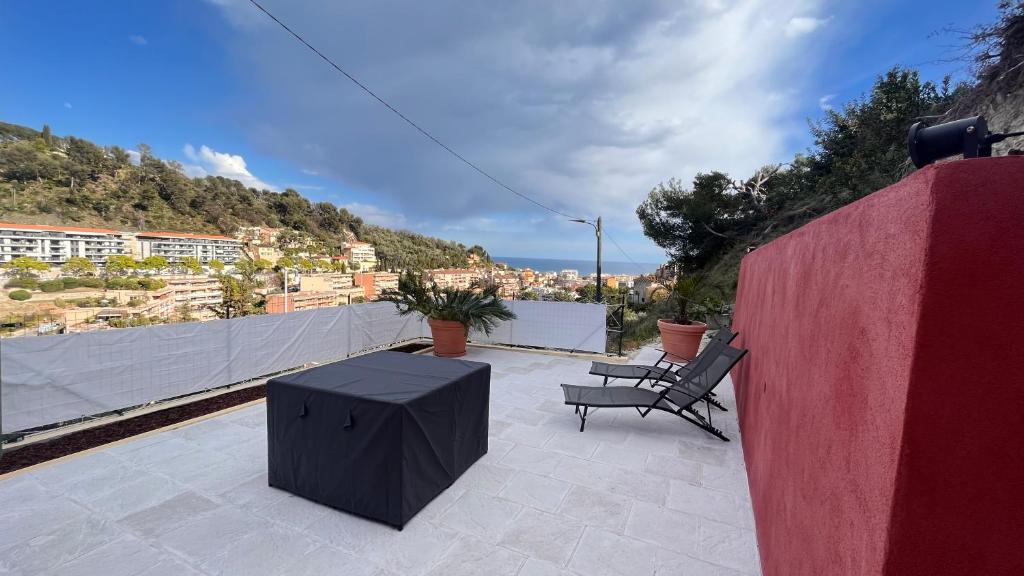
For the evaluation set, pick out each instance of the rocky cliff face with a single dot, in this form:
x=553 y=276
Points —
x=1004 y=112
x=998 y=56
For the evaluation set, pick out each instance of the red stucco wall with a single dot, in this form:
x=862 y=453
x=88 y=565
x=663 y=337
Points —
x=882 y=403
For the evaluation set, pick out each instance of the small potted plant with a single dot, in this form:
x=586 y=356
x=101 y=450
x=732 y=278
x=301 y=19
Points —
x=451 y=312
x=681 y=334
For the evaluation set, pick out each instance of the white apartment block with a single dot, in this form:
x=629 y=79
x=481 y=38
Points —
x=54 y=245
x=331 y=281
x=196 y=291
x=174 y=246
x=458 y=278
x=362 y=252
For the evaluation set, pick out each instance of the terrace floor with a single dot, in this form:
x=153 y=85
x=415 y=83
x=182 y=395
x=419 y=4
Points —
x=628 y=496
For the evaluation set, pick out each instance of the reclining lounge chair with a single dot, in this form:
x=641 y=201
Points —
x=670 y=373
x=679 y=398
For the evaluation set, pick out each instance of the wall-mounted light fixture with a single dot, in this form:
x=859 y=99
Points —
x=969 y=136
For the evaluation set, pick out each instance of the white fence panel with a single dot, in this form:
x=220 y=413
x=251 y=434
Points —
x=562 y=325
x=50 y=379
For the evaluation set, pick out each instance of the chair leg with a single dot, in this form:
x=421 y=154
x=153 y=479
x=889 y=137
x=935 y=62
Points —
x=698 y=420
x=583 y=416
x=714 y=402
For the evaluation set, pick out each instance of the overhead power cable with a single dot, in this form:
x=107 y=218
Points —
x=616 y=244
x=405 y=118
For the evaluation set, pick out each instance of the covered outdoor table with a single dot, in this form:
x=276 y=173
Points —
x=378 y=435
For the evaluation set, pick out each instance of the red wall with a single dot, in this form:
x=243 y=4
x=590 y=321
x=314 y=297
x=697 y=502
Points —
x=882 y=402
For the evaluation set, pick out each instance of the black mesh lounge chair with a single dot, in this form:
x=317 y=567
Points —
x=656 y=372
x=680 y=398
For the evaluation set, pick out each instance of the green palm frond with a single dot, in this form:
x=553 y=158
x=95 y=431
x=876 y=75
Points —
x=476 y=308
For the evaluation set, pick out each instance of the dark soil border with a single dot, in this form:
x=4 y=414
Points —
x=32 y=454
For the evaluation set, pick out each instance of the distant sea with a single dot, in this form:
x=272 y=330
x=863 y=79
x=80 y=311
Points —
x=585 y=267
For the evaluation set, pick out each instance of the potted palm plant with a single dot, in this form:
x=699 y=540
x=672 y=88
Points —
x=451 y=312
x=681 y=334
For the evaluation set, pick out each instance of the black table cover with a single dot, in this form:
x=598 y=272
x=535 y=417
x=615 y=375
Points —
x=379 y=435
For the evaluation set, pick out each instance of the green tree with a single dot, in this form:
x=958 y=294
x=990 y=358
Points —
x=47 y=136
x=217 y=266
x=26 y=266
x=305 y=265
x=184 y=312
x=155 y=263
x=528 y=295
x=119 y=265
x=190 y=265
x=78 y=266
x=563 y=296
x=263 y=265
x=285 y=262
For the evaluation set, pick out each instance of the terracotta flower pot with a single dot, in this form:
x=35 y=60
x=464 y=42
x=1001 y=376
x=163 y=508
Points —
x=449 y=338
x=681 y=341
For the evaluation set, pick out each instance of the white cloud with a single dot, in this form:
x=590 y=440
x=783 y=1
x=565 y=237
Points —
x=138 y=40
x=801 y=25
x=207 y=161
x=584 y=106
x=68 y=105
x=377 y=215
x=134 y=156
x=825 y=102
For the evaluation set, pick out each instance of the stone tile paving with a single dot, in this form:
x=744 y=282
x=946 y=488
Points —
x=628 y=496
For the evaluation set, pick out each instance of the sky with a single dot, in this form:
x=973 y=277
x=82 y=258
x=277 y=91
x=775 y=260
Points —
x=582 y=105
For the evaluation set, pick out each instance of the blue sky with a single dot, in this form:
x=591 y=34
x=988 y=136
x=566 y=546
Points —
x=583 y=105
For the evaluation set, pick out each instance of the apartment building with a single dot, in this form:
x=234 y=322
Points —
x=258 y=235
x=361 y=252
x=159 y=303
x=269 y=253
x=385 y=281
x=507 y=283
x=326 y=282
x=458 y=278
x=54 y=245
x=196 y=291
x=298 y=301
x=174 y=246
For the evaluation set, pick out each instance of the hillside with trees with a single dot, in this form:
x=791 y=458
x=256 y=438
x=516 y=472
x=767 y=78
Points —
x=47 y=179
x=706 y=226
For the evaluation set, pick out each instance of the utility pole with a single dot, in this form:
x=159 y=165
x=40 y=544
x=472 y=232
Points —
x=285 y=269
x=597 y=231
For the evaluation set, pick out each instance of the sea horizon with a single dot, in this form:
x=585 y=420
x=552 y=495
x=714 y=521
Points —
x=585 y=267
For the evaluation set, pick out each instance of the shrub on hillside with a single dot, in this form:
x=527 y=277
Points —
x=51 y=285
x=27 y=283
x=89 y=282
x=19 y=295
x=152 y=283
x=123 y=283
x=70 y=283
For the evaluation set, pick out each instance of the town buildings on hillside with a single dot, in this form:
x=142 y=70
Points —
x=54 y=245
x=176 y=246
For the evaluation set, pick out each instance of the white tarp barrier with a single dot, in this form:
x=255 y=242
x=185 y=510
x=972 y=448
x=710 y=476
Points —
x=49 y=379
x=562 y=325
